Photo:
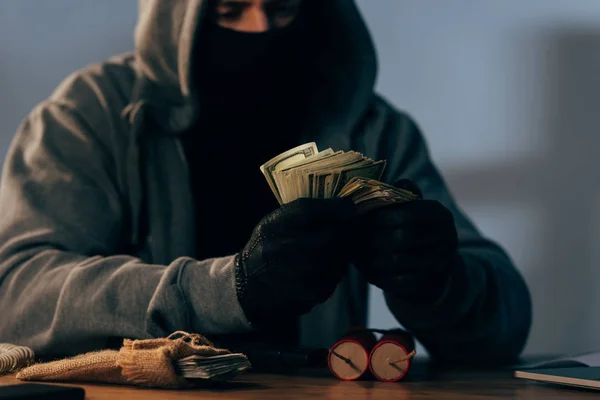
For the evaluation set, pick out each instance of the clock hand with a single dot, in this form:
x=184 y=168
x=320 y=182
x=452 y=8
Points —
x=406 y=357
x=346 y=360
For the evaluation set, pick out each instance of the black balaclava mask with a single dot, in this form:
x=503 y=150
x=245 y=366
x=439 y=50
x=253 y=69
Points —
x=246 y=71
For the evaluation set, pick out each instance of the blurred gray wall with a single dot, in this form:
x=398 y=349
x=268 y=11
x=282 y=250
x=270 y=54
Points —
x=506 y=93
x=41 y=42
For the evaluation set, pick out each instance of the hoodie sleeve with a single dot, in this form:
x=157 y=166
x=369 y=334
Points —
x=484 y=315
x=64 y=288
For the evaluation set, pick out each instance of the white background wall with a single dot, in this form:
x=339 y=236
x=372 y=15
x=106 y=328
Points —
x=506 y=93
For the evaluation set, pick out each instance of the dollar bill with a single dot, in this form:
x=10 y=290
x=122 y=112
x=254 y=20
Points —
x=370 y=171
x=304 y=171
x=284 y=160
x=216 y=368
x=369 y=194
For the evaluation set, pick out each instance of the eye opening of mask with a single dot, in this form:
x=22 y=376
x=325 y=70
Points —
x=234 y=14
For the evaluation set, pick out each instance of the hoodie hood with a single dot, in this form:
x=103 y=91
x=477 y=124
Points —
x=339 y=55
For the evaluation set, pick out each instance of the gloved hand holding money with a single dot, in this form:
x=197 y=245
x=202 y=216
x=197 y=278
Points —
x=407 y=247
x=294 y=259
x=304 y=171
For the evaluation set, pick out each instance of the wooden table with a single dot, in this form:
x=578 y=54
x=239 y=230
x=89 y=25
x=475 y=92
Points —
x=422 y=383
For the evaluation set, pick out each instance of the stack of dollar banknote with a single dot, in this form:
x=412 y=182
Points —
x=216 y=368
x=304 y=171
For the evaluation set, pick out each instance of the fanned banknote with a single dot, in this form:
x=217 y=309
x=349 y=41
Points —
x=304 y=171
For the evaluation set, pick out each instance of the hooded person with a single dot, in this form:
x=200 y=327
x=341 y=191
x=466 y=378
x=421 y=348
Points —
x=131 y=202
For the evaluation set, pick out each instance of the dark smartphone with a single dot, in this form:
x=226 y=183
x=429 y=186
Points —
x=42 y=392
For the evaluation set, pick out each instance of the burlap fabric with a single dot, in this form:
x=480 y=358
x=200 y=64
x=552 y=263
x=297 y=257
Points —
x=139 y=362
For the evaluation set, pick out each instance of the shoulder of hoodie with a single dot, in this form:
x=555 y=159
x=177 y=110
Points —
x=390 y=133
x=110 y=81
x=98 y=94
x=390 y=119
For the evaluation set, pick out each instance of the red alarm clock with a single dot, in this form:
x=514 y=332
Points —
x=348 y=359
x=390 y=358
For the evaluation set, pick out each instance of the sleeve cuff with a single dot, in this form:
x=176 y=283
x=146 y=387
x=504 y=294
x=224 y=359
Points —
x=209 y=286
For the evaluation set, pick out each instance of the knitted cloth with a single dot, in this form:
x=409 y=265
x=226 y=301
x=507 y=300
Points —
x=139 y=362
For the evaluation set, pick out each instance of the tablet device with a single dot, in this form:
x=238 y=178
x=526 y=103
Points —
x=584 y=377
x=36 y=391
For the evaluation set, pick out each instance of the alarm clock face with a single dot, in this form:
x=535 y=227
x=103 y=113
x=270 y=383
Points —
x=348 y=360
x=386 y=364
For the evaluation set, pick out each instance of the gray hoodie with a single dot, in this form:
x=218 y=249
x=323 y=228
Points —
x=97 y=237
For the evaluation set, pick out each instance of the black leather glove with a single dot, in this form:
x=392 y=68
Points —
x=408 y=249
x=295 y=259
